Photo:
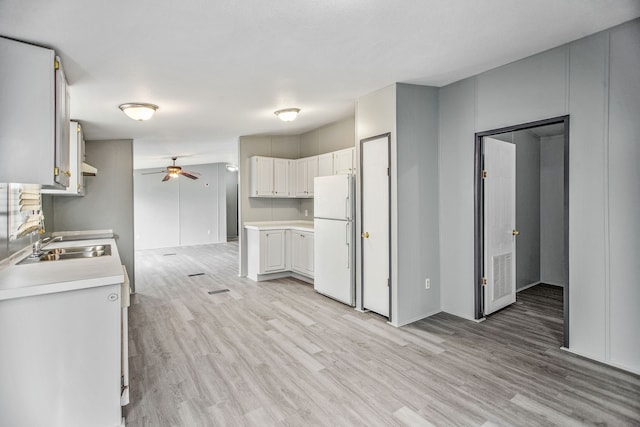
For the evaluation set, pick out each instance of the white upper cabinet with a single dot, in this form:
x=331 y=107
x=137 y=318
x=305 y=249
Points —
x=261 y=171
x=325 y=164
x=281 y=177
x=272 y=177
x=34 y=116
x=306 y=171
x=76 y=157
x=344 y=161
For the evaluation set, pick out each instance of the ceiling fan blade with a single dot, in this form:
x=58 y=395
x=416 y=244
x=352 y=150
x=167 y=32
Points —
x=167 y=177
x=153 y=173
x=188 y=175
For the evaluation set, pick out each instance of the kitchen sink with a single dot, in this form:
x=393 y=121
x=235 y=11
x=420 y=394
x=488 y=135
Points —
x=72 y=252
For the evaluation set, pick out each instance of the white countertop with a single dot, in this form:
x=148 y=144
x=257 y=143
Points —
x=46 y=277
x=280 y=225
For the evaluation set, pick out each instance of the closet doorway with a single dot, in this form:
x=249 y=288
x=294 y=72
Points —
x=522 y=213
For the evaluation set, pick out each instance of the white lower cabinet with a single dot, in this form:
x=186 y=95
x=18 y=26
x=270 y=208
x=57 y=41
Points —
x=272 y=251
x=302 y=252
x=61 y=359
x=279 y=251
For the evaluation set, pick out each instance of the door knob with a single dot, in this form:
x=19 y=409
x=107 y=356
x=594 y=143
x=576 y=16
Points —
x=515 y=232
x=365 y=234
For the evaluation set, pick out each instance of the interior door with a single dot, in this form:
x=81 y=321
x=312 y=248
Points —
x=499 y=224
x=375 y=225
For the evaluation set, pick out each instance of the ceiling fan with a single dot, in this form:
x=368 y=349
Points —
x=174 y=171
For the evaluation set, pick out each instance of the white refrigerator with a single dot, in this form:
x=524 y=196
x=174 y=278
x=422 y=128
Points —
x=333 y=211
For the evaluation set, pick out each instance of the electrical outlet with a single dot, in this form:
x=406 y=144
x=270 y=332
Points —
x=306 y=212
x=427 y=283
x=208 y=231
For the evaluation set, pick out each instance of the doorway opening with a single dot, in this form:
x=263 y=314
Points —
x=522 y=213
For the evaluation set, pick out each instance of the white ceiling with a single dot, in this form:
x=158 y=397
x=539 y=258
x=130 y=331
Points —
x=218 y=69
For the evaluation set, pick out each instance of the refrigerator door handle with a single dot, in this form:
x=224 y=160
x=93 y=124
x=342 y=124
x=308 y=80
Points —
x=346 y=208
x=346 y=229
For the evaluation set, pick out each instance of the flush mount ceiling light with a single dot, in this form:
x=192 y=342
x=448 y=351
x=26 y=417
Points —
x=232 y=168
x=288 y=114
x=139 y=111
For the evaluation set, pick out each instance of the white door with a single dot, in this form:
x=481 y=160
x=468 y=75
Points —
x=375 y=225
x=333 y=269
x=499 y=224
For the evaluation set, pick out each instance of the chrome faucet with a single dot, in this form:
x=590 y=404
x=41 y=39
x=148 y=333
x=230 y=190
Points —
x=39 y=244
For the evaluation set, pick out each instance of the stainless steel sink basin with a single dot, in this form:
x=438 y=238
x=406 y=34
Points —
x=73 y=252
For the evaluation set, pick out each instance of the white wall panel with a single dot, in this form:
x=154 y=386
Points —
x=534 y=88
x=376 y=115
x=552 y=210
x=587 y=280
x=456 y=148
x=157 y=211
x=624 y=195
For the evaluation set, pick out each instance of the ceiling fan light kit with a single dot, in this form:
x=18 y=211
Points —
x=288 y=114
x=138 y=111
x=173 y=172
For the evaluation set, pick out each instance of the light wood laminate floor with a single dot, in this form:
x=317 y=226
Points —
x=277 y=353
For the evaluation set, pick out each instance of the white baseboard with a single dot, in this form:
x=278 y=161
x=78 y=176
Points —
x=604 y=362
x=531 y=285
x=419 y=317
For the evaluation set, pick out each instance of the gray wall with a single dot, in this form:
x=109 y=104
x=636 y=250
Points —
x=410 y=114
x=417 y=191
x=552 y=210
x=180 y=212
x=595 y=80
x=527 y=208
x=108 y=200
x=231 y=183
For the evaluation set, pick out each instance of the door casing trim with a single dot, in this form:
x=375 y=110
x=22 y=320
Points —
x=478 y=221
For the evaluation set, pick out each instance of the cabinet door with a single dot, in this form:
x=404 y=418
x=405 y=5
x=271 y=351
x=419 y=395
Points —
x=272 y=249
x=309 y=253
x=312 y=172
x=293 y=179
x=76 y=156
x=343 y=162
x=27 y=112
x=62 y=163
x=264 y=177
x=301 y=177
x=280 y=177
x=298 y=252
x=325 y=164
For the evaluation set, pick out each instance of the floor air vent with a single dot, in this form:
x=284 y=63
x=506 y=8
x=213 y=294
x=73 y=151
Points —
x=218 y=291
x=196 y=274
